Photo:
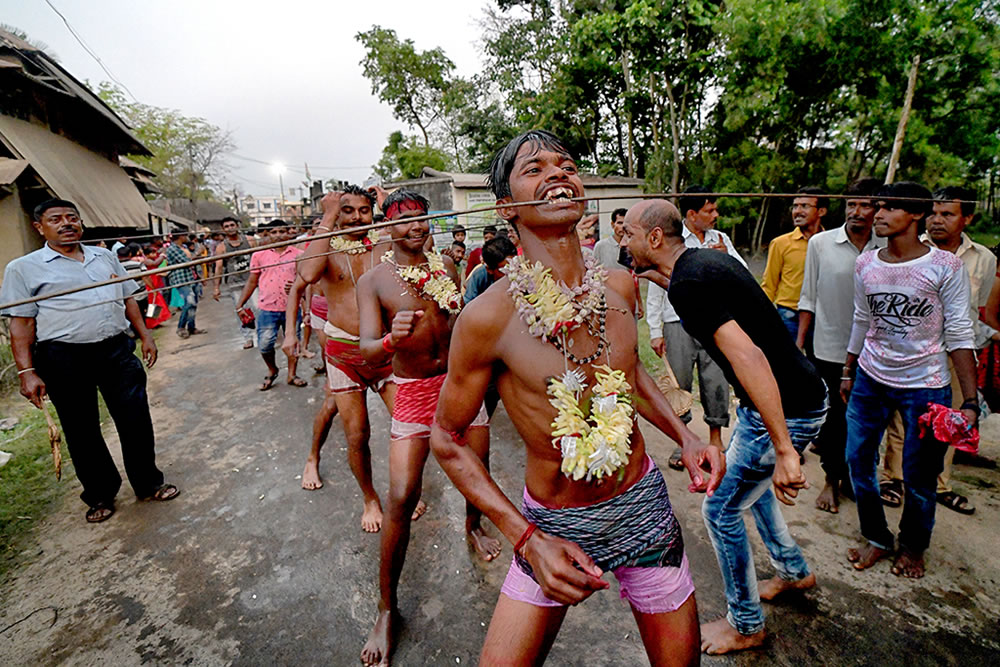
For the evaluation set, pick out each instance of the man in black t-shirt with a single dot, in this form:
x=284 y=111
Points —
x=783 y=404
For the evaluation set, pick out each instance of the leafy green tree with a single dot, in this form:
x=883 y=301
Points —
x=405 y=157
x=412 y=82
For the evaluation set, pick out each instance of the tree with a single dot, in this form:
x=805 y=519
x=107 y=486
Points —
x=412 y=82
x=404 y=158
x=188 y=153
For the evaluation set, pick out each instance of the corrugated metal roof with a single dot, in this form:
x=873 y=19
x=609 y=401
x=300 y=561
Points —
x=101 y=189
x=11 y=169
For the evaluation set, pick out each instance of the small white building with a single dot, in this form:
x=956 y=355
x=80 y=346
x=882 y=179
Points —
x=260 y=209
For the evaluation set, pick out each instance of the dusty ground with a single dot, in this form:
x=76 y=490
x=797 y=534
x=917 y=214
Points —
x=247 y=568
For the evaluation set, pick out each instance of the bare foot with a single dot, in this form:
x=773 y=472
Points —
x=371 y=518
x=866 y=556
x=307 y=354
x=828 y=500
x=310 y=476
x=719 y=637
x=772 y=588
x=419 y=510
x=908 y=564
x=378 y=649
x=487 y=547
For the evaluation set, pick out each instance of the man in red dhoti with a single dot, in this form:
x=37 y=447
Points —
x=418 y=294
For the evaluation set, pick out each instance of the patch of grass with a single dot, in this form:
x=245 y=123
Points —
x=28 y=486
x=990 y=239
x=648 y=358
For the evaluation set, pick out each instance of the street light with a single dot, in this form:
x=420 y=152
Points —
x=279 y=169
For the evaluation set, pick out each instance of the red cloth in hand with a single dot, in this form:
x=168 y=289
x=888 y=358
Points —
x=949 y=427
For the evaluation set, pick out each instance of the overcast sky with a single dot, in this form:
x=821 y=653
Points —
x=282 y=75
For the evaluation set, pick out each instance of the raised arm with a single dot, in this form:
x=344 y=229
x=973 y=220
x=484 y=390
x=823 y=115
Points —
x=312 y=262
x=754 y=373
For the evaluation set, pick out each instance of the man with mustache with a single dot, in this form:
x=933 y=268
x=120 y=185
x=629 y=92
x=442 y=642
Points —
x=954 y=209
x=911 y=314
x=827 y=308
x=70 y=347
x=341 y=261
x=408 y=304
x=786 y=257
x=559 y=335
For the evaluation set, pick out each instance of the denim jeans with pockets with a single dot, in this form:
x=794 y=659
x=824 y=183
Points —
x=750 y=462
x=869 y=408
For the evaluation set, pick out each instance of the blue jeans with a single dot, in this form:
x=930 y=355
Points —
x=268 y=323
x=750 y=463
x=868 y=411
x=190 y=307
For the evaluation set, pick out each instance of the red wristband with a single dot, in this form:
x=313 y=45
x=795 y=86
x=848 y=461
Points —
x=524 y=538
x=387 y=343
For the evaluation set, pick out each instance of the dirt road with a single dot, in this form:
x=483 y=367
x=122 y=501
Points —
x=247 y=568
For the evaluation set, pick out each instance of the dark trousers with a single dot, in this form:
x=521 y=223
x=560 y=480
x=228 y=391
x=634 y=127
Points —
x=868 y=411
x=832 y=439
x=73 y=373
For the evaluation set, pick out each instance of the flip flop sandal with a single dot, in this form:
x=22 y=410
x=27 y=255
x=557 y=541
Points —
x=675 y=461
x=99 y=513
x=892 y=493
x=268 y=382
x=298 y=382
x=956 y=502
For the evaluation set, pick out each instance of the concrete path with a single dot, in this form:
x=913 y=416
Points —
x=247 y=568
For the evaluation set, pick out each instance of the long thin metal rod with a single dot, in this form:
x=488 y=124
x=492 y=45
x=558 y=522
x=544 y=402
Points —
x=429 y=216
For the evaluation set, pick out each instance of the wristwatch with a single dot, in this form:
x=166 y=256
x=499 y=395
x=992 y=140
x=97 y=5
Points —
x=972 y=404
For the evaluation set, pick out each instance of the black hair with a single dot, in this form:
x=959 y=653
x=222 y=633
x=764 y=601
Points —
x=813 y=191
x=490 y=229
x=405 y=195
x=497 y=250
x=378 y=217
x=230 y=218
x=864 y=187
x=498 y=178
x=459 y=244
x=360 y=192
x=694 y=203
x=457 y=229
x=133 y=249
x=661 y=213
x=908 y=190
x=124 y=252
x=952 y=192
x=52 y=203
x=277 y=223
x=617 y=212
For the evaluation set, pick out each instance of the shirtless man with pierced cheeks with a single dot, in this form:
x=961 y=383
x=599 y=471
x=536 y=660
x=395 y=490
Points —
x=348 y=374
x=610 y=516
x=398 y=316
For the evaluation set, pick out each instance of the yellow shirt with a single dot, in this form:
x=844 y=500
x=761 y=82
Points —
x=786 y=263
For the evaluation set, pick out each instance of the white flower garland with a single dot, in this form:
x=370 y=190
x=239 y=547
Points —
x=594 y=445
x=354 y=246
x=550 y=308
x=598 y=446
x=433 y=281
